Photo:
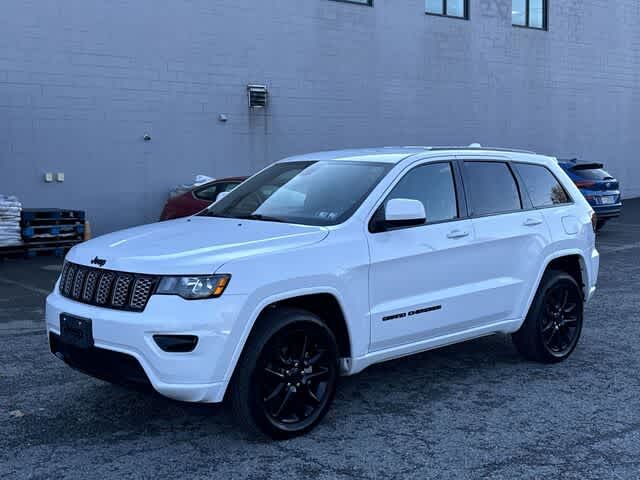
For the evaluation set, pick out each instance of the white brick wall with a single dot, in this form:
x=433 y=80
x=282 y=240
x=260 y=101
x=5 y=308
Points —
x=81 y=82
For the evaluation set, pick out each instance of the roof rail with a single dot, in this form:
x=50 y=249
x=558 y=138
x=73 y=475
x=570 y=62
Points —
x=474 y=148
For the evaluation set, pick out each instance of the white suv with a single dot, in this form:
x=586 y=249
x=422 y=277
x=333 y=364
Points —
x=323 y=264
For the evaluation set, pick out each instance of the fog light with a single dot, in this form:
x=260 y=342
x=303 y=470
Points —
x=176 y=343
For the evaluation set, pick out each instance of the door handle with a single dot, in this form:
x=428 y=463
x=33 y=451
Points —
x=457 y=234
x=531 y=222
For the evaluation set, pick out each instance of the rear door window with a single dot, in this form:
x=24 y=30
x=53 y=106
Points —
x=542 y=186
x=492 y=188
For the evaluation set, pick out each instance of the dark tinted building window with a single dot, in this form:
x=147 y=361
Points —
x=449 y=8
x=361 y=2
x=433 y=185
x=529 y=13
x=543 y=188
x=492 y=188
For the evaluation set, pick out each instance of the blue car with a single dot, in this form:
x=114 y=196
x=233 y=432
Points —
x=601 y=190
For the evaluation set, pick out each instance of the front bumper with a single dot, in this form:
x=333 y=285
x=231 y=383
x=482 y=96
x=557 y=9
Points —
x=197 y=376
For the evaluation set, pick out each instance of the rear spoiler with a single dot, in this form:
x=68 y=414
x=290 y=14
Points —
x=587 y=166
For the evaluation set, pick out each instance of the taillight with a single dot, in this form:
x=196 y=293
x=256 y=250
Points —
x=585 y=184
x=594 y=221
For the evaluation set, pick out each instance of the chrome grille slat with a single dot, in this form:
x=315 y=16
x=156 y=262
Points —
x=141 y=291
x=121 y=291
x=90 y=287
x=68 y=281
x=78 y=283
x=65 y=272
x=106 y=288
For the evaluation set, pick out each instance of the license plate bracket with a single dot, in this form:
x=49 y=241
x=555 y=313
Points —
x=76 y=331
x=607 y=199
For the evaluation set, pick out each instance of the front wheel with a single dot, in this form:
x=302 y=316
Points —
x=286 y=377
x=553 y=325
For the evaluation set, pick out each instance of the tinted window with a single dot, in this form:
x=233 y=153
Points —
x=593 y=174
x=310 y=193
x=227 y=187
x=491 y=187
x=211 y=192
x=543 y=188
x=433 y=185
x=208 y=193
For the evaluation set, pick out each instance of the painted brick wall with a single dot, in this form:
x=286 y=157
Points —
x=82 y=81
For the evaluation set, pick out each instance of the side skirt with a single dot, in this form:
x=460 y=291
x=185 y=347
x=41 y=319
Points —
x=356 y=365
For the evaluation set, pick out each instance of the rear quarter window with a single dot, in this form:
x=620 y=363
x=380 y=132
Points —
x=543 y=187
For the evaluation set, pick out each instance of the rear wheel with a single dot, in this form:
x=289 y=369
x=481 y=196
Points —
x=286 y=378
x=599 y=224
x=553 y=325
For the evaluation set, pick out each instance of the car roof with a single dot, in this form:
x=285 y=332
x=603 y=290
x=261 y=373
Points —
x=397 y=154
x=375 y=154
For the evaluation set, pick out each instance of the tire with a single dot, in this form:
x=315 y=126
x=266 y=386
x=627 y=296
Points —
x=600 y=224
x=286 y=377
x=553 y=325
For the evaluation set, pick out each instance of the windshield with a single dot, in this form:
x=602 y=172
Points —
x=309 y=193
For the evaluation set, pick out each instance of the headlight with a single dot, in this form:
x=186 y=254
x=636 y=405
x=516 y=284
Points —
x=192 y=288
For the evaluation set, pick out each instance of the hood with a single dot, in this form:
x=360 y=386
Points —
x=195 y=245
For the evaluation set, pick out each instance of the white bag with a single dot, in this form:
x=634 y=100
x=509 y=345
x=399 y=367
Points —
x=10 y=232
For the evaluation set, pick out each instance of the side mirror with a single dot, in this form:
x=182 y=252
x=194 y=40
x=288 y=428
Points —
x=221 y=195
x=404 y=212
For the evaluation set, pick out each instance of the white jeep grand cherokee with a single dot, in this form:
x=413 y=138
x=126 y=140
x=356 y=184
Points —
x=323 y=264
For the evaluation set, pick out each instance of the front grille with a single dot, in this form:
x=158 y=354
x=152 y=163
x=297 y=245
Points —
x=107 y=288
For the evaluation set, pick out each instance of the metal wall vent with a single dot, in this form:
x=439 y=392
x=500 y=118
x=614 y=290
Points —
x=258 y=96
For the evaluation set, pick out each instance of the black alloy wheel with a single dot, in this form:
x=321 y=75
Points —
x=561 y=323
x=553 y=325
x=286 y=377
x=295 y=377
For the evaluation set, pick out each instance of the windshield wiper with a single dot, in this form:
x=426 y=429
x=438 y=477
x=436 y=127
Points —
x=257 y=216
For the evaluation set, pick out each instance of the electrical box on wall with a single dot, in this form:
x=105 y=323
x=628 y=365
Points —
x=258 y=96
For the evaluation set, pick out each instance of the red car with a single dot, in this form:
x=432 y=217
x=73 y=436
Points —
x=198 y=198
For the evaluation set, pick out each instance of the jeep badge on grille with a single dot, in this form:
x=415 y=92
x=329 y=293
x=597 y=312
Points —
x=98 y=261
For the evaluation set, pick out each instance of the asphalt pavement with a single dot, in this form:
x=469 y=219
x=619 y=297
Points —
x=475 y=410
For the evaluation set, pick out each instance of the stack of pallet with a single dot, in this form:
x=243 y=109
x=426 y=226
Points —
x=51 y=231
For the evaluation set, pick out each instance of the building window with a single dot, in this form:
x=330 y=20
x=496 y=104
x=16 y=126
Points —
x=529 y=13
x=359 y=2
x=447 y=8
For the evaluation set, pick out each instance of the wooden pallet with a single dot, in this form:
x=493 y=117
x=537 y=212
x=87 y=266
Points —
x=50 y=216
x=62 y=232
